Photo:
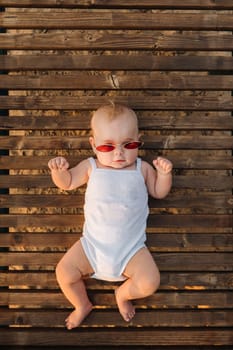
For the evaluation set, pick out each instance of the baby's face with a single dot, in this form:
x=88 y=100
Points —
x=119 y=132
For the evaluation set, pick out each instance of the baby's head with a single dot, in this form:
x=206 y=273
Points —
x=110 y=112
x=115 y=137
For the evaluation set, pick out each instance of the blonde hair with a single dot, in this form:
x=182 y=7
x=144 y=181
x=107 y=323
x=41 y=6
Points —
x=112 y=111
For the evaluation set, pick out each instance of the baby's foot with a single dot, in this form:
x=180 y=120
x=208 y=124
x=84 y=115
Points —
x=125 y=307
x=77 y=316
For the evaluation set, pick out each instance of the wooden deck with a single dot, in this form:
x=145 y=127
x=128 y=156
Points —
x=172 y=62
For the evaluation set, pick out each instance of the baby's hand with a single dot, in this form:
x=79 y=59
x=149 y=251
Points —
x=58 y=163
x=163 y=165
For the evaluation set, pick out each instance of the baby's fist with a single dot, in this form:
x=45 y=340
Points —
x=58 y=163
x=162 y=165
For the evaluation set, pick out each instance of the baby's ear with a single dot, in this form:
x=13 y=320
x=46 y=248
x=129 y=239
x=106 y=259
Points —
x=92 y=142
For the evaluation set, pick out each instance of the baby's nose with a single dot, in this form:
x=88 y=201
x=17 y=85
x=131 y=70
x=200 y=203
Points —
x=118 y=149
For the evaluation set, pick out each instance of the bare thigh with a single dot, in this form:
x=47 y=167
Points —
x=75 y=260
x=142 y=266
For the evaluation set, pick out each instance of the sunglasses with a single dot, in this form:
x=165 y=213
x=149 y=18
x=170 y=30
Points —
x=127 y=145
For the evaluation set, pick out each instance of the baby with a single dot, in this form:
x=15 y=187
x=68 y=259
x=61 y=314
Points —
x=112 y=246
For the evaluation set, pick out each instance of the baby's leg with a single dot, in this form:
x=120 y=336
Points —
x=70 y=271
x=143 y=280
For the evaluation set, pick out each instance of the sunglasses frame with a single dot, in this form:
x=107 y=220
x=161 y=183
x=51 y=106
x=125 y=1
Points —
x=138 y=144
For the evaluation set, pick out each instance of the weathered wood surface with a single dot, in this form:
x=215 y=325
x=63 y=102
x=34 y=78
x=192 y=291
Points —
x=170 y=280
x=154 y=220
x=194 y=161
x=172 y=62
x=115 y=81
x=152 y=102
x=193 y=4
x=106 y=318
x=158 y=242
x=128 y=337
x=150 y=142
x=220 y=183
x=118 y=40
x=161 y=300
x=114 y=61
x=147 y=121
x=206 y=201
x=178 y=261
x=58 y=19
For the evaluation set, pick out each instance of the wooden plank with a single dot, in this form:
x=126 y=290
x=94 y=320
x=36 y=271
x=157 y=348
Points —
x=118 y=337
x=41 y=200
x=218 y=183
x=194 y=281
x=156 y=220
x=190 y=220
x=206 y=201
x=125 y=347
x=165 y=103
x=20 y=278
x=150 y=142
x=198 y=242
x=30 y=181
x=73 y=19
x=179 y=4
x=147 y=121
x=115 y=62
x=116 y=81
x=182 y=161
x=178 y=261
x=159 y=242
x=192 y=162
x=106 y=299
x=170 y=142
x=106 y=318
x=117 y=40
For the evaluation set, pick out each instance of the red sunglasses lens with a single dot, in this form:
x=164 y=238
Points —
x=133 y=145
x=128 y=145
x=105 y=148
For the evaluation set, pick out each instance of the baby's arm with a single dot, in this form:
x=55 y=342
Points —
x=68 y=179
x=158 y=182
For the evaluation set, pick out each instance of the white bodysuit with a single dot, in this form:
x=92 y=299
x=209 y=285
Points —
x=116 y=211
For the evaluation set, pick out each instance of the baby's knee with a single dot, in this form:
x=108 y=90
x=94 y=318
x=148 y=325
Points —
x=150 y=284
x=60 y=270
x=66 y=273
x=62 y=273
